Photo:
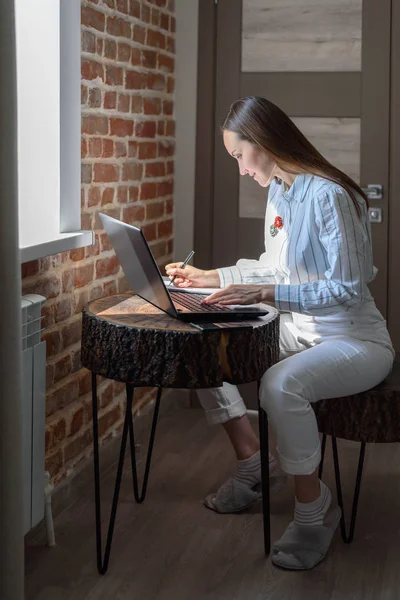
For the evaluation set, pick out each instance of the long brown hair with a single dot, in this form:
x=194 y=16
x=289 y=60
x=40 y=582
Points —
x=262 y=123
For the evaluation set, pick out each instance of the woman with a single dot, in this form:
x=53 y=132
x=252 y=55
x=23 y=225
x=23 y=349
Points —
x=334 y=342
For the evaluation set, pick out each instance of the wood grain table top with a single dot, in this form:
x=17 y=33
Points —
x=127 y=339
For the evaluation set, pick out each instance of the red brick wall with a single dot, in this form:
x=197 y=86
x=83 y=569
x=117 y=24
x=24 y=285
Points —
x=128 y=150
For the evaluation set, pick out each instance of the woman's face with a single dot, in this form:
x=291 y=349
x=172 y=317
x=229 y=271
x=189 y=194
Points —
x=252 y=161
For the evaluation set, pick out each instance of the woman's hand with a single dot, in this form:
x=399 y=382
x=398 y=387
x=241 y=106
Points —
x=191 y=277
x=242 y=294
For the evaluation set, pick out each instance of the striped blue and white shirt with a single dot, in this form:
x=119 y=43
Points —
x=320 y=260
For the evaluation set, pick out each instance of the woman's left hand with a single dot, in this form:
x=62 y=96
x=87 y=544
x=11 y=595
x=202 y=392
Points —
x=242 y=294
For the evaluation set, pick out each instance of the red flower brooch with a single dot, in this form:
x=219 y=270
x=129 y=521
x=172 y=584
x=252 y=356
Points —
x=278 y=224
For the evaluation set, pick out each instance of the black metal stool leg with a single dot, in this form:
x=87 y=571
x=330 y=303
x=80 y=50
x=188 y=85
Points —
x=264 y=454
x=102 y=562
x=348 y=538
x=321 y=464
x=140 y=497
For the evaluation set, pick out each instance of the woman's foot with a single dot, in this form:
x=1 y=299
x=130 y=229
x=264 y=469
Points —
x=244 y=488
x=313 y=513
x=308 y=537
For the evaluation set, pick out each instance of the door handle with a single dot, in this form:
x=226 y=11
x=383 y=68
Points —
x=375 y=215
x=373 y=191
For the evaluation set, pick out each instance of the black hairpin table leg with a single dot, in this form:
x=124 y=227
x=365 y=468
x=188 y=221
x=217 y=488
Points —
x=102 y=562
x=140 y=497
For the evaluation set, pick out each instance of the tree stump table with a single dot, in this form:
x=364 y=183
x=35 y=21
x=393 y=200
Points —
x=129 y=340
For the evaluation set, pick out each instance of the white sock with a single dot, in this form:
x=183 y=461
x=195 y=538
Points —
x=312 y=513
x=249 y=470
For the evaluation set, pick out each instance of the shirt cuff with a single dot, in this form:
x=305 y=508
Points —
x=229 y=275
x=287 y=297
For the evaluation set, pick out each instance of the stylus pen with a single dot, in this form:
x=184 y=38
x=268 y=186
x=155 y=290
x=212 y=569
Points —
x=185 y=262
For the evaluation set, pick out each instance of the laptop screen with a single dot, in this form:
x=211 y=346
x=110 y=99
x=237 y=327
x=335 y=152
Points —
x=137 y=262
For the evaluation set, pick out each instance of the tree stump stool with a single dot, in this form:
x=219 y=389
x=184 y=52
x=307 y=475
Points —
x=129 y=340
x=372 y=416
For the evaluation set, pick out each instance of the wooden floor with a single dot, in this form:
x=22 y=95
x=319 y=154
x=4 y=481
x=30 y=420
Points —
x=171 y=548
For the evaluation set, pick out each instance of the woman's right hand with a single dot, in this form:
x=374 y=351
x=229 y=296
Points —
x=191 y=277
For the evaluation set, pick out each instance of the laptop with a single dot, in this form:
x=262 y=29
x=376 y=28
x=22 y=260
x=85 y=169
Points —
x=145 y=280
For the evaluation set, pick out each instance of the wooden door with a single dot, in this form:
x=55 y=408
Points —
x=326 y=63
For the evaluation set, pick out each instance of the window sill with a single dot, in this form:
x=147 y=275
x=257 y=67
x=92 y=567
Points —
x=65 y=241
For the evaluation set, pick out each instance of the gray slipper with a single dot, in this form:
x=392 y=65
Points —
x=302 y=548
x=234 y=496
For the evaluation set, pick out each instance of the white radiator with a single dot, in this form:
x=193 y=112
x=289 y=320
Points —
x=36 y=489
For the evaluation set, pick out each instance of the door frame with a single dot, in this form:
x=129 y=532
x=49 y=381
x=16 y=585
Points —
x=375 y=82
x=394 y=204
x=205 y=127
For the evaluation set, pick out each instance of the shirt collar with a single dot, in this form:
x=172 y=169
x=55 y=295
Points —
x=299 y=187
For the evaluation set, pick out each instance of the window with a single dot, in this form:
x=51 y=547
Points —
x=49 y=127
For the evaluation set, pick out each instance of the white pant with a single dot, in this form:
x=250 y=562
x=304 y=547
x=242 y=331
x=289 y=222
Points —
x=335 y=367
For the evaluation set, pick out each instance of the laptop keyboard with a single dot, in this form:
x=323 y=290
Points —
x=192 y=303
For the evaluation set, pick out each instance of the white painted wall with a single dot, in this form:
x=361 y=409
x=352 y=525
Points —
x=38 y=100
x=11 y=507
x=185 y=115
